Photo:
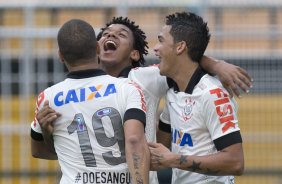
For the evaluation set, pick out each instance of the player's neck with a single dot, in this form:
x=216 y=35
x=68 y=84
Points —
x=184 y=74
x=114 y=70
x=88 y=66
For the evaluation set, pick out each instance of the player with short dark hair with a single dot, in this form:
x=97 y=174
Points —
x=200 y=117
x=99 y=137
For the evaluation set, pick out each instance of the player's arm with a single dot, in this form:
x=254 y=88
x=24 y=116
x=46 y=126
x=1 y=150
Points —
x=219 y=116
x=228 y=161
x=164 y=138
x=231 y=76
x=164 y=128
x=40 y=150
x=42 y=145
x=137 y=151
x=136 y=147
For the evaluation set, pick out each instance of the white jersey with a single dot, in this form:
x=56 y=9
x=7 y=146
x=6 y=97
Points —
x=199 y=117
x=88 y=136
x=154 y=87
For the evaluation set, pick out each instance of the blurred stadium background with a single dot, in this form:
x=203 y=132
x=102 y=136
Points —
x=247 y=33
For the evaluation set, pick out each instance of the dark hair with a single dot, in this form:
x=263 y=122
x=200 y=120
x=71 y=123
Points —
x=139 y=36
x=190 y=28
x=77 y=41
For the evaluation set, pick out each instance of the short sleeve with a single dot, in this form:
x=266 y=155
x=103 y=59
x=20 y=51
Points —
x=135 y=102
x=164 y=117
x=150 y=80
x=36 y=132
x=220 y=113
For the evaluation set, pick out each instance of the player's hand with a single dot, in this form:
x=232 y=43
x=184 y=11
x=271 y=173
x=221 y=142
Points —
x=158 y=156
x=233 y=77
x=45 y=117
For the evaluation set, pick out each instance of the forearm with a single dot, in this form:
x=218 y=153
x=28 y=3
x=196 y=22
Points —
x=49 y=142
x=221 y=163
x=209 y=64
x=138 y=158
x=40 y=150
x=164 y=138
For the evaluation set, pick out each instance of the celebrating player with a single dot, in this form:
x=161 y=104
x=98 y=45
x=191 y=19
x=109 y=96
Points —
x=200 y=116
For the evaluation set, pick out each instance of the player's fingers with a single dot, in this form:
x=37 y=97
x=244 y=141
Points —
x=245 y=74
x=46 y=103
x=46 y=120
x=42 y=121
x=244 y=86
x=245 y=77
x=152 y=145
x=229 y=90
x=44 y=112
x=232 y=88
x=58 y=114
x=50 y=120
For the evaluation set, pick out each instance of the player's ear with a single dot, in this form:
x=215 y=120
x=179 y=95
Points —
x=98 y=49
x=61 y=56
x=181 y=47
x=135 y=55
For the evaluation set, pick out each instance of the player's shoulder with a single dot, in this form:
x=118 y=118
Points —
x=209 y=83
x=145 y=69
x=147 y=74
x=119 y=83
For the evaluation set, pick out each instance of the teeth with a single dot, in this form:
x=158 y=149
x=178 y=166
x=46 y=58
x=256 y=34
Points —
x=110 y=45
x=111 y=42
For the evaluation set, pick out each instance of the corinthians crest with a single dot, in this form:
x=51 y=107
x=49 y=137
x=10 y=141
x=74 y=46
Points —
x=188 y=108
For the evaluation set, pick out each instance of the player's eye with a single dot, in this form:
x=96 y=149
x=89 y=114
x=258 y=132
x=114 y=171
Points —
x=122 y=35
x=105 y=33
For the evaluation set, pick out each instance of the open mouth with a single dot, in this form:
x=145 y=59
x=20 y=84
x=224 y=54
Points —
x=110 y=45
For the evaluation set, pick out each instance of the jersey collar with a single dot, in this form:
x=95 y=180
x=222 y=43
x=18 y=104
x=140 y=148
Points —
x=85 y=74
x=124 y=73
x=196 y=77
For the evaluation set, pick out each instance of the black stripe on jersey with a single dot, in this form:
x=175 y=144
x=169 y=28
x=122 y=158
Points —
x=196 y=77
x=169 y=82
x=228 y=140
x=124 y=73
x=36 y=136
x=164 y=127
x=137 y=114
x=85 y=74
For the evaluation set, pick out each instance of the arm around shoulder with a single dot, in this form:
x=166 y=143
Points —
x=231 y=76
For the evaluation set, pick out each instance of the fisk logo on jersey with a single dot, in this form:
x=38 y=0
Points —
x=181 y=138
x=83 y=94
x=223 y=109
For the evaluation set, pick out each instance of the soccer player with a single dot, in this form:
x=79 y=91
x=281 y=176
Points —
x=99 y=137
x=200 y=116
x=123 y=46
